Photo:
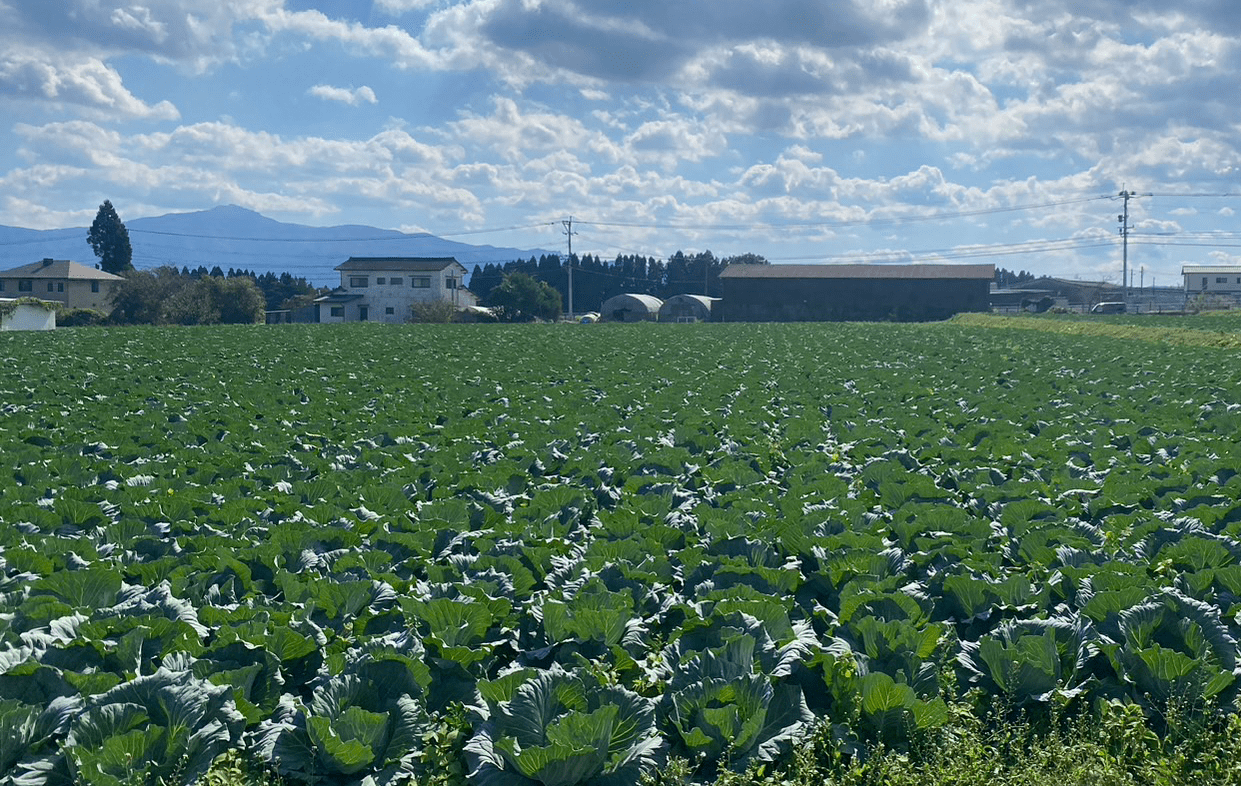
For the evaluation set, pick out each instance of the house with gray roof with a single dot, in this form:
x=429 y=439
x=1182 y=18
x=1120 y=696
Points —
x=63 y=281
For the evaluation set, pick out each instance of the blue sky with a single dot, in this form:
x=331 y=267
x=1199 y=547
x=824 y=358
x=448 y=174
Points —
x=851 y=130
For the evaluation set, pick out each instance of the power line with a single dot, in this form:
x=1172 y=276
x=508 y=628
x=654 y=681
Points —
x=400 y=237
x=853 y=222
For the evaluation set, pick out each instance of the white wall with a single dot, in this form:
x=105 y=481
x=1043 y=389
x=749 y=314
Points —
x=378 y=298
x=1231 y=282
x=28 y=317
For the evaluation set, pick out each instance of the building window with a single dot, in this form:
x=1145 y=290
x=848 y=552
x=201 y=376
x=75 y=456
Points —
x=389 y=310
x=420 y=282
x=337 y=311
x=94 y=286
x=1 y=285
x=60 y=286
x=1204 y=282
x=25 y=285
x=396 y=281
x=357 y=281
x=1221 y=279
x=381 y=280
x=450 y=283
x=51 y=286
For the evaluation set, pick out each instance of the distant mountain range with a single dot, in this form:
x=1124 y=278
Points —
x=233 y=237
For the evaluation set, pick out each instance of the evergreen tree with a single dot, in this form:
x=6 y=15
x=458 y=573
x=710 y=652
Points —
x=109 y=239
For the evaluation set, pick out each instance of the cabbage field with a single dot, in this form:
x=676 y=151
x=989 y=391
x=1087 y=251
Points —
x=593 y=550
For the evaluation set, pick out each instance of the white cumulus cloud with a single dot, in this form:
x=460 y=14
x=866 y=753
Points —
x=353 y=97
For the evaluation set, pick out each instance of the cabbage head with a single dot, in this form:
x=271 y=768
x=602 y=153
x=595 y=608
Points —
x=560 y=728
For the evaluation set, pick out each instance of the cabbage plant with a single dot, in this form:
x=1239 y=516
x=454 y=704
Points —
x=729 y=697
x=560 y=728
x=165 y=727
x=363 y=723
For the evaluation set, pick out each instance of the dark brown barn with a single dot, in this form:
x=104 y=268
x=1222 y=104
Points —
x=826 y=293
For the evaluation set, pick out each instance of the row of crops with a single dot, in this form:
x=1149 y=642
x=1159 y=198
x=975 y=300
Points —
x=609 y=546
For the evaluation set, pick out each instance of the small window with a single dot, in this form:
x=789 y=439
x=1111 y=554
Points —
x=60 y=286
x=450 y=283
x=389 y=310
x=1221 y=279
x=381 y=280
x=94 y=286
x=1 y=285
x=25 y=285
x=357 y=281
x=396 y=281
x=420 y=282
x=337 y=311
x=51 y=286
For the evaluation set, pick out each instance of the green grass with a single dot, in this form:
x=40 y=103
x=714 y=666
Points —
x=1220 y=331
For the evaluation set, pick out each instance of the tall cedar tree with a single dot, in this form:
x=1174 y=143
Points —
x=109 y=239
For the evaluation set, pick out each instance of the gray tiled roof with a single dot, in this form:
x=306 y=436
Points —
x=397 y=264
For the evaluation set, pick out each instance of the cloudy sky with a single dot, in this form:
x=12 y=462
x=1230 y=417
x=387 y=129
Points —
x=803 y=130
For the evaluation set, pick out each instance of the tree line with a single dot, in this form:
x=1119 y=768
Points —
x=1009 y=278
x=595 y=279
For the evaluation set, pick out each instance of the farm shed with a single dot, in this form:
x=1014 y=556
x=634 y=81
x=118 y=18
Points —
x=27 y=314
x=826 y=293
x=687 y=308
x=631 y=308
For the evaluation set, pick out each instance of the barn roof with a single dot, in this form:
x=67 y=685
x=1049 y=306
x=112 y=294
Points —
x=59 y=268
x=986 y=272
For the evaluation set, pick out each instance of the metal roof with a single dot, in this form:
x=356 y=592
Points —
x=650 y=302
x=59 y=268
x=986 y=272
x=399 y=264
x=337 y=296
x=1190 y=270
x=702 y=300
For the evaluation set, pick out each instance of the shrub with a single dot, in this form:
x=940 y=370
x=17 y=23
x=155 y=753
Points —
x=435 y=311
x=80 y=317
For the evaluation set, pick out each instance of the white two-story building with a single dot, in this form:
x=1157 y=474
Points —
x=1212 y=279
x=385 y=289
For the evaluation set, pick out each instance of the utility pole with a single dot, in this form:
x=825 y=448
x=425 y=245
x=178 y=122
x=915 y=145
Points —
x=1125 y=228
x=568 y=230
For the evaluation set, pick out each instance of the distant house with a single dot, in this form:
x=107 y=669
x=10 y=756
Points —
x=62 y=281
x=631 y=308
x=27 y=314
x=1212 y=279
x=819 y=293
x=385 y=289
